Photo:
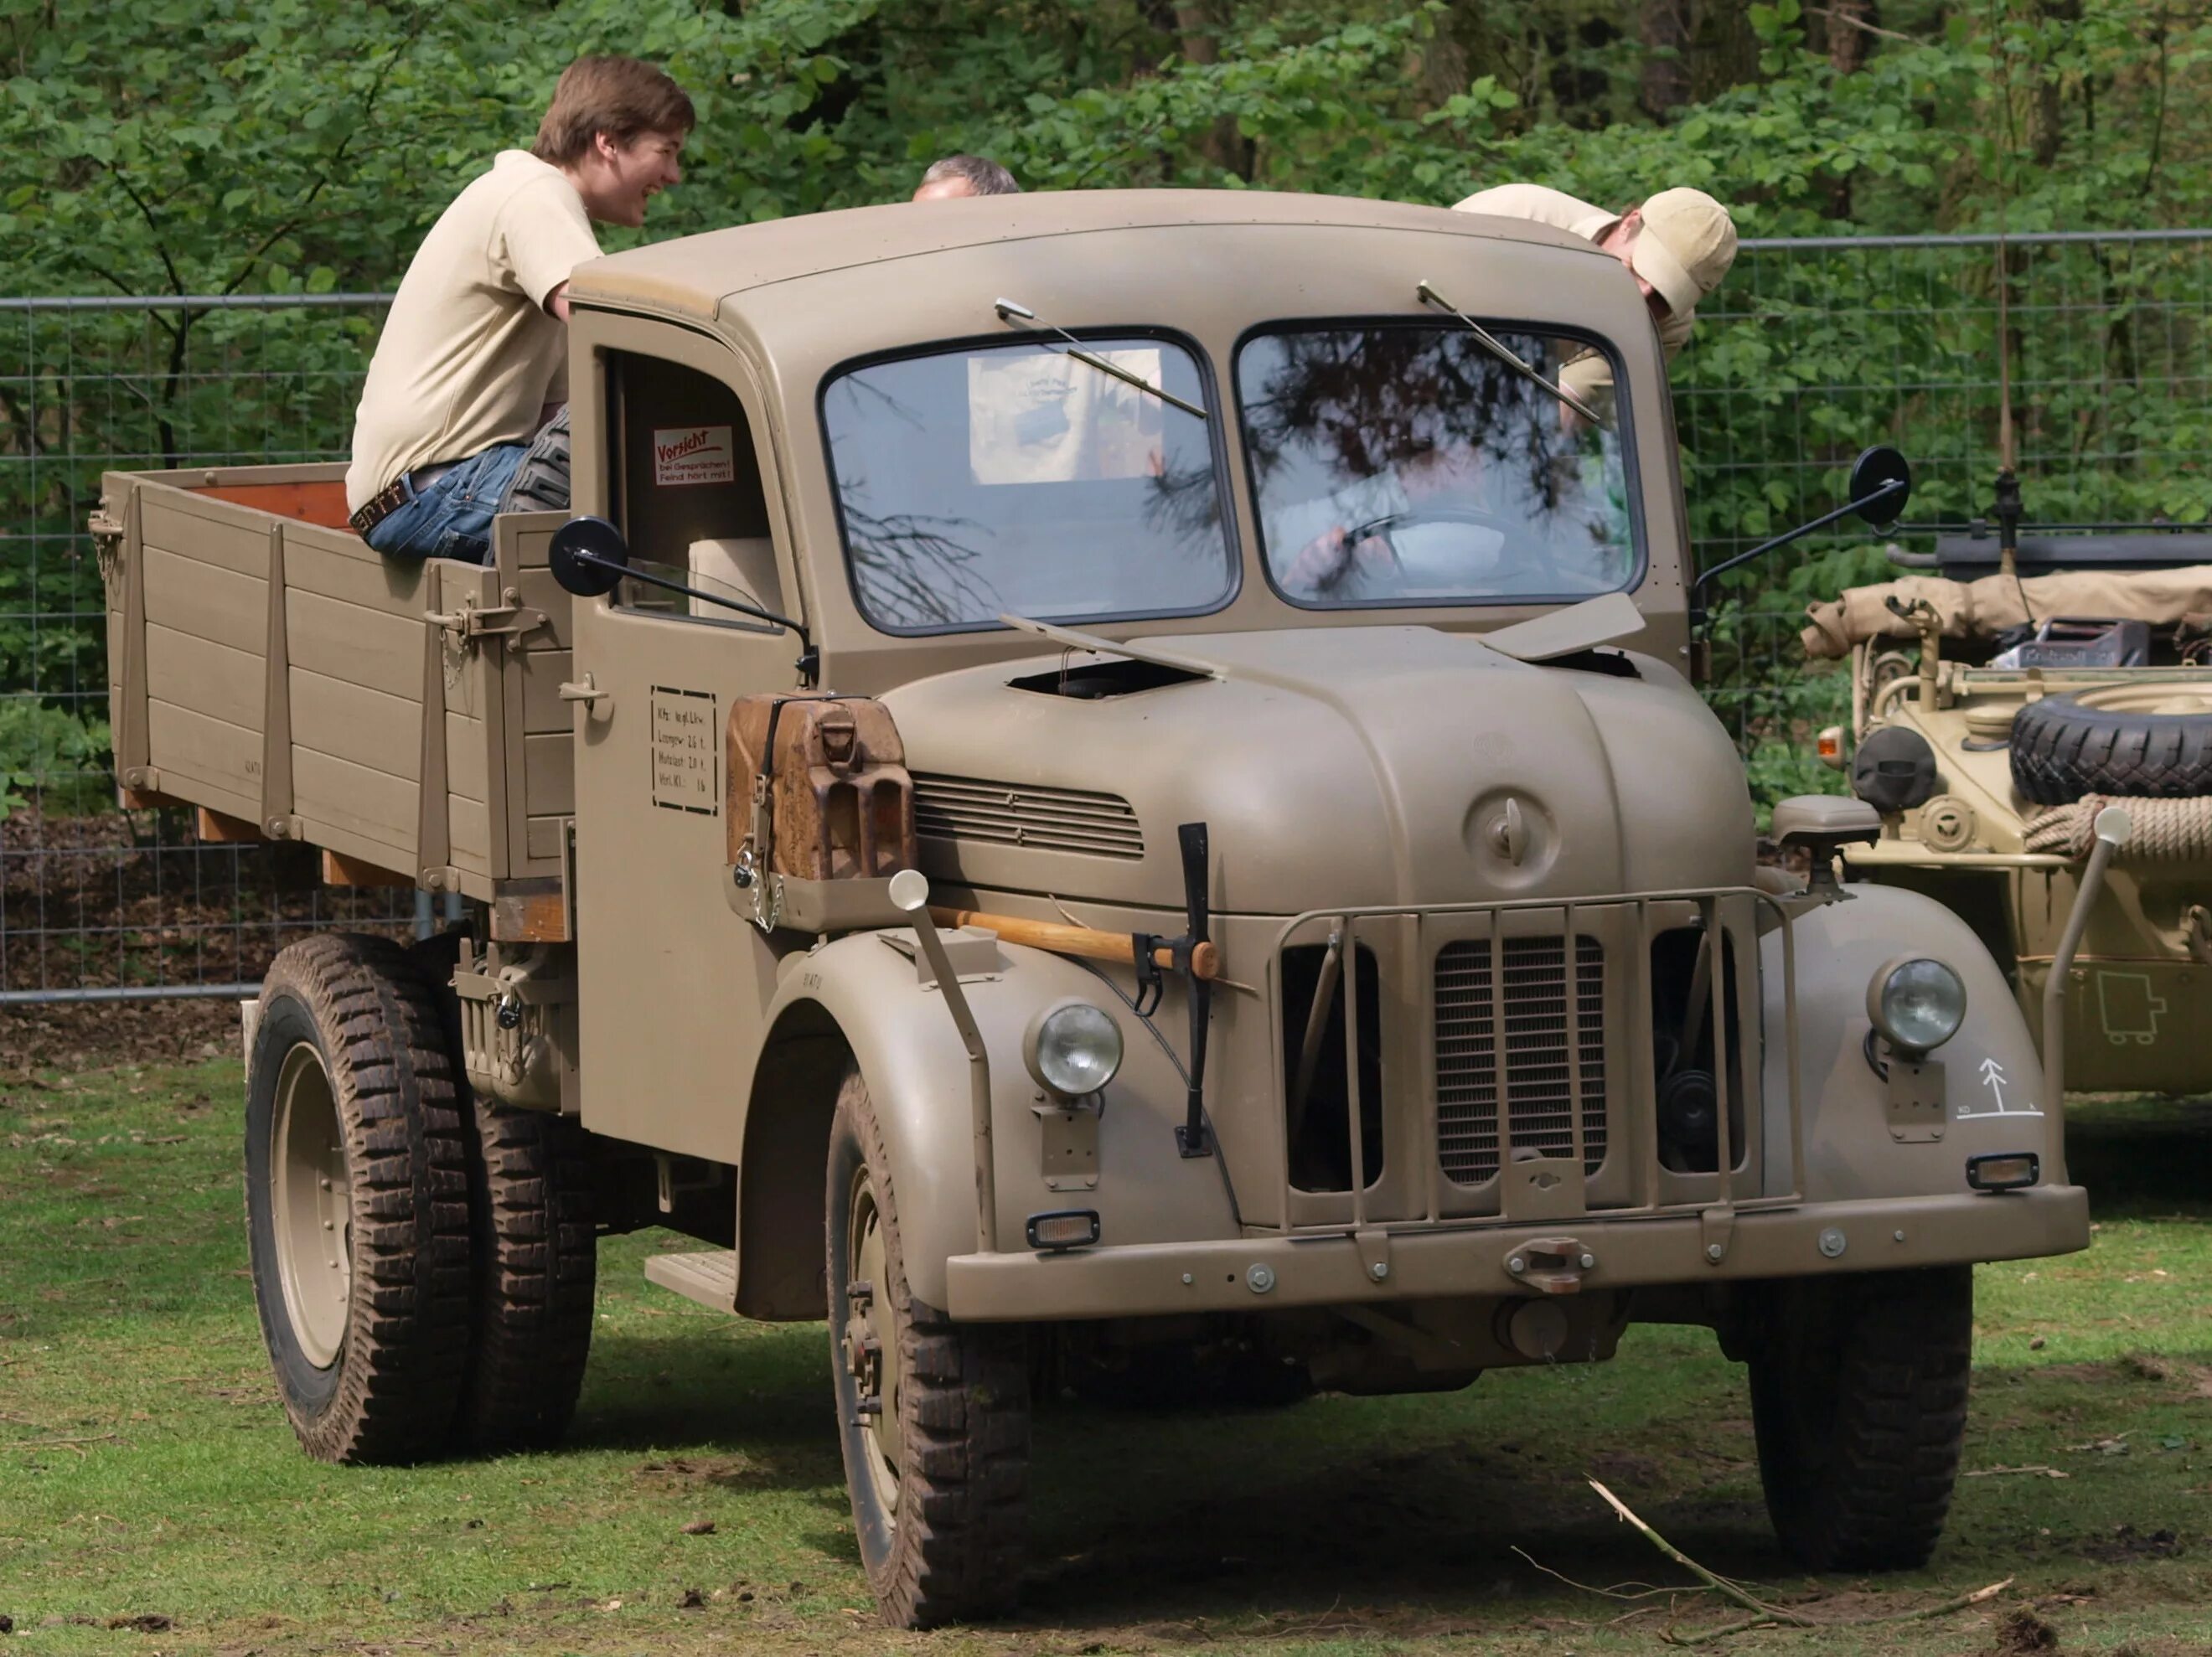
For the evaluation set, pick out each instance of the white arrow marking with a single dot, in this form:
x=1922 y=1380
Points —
x=1994 y=1079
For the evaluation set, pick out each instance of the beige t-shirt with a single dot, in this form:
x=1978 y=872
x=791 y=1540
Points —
x=470 y=354
x=1590 y=378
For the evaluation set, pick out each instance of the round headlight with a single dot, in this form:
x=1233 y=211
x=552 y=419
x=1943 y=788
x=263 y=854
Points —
x=1917 y=1004
x=1073 y=1048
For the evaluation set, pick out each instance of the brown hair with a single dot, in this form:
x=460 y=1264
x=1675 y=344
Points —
x=621 y=97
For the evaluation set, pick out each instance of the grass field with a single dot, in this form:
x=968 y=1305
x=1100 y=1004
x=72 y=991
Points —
x=152 y=1499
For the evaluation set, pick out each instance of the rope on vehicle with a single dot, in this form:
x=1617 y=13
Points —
x=2166 y=830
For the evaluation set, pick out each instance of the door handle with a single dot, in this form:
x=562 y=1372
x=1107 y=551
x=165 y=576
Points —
x=588 y=693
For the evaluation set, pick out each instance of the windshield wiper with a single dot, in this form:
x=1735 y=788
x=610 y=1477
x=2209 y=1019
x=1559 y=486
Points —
x=1506 y=354
x=1013 y=311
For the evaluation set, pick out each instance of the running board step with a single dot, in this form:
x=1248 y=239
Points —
x=709 y=1278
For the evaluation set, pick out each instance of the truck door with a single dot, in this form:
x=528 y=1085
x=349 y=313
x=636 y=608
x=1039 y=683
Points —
x=670 y=981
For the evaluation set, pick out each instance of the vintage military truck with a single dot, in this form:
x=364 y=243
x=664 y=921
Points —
x=1074 y=800
x=2000 y=701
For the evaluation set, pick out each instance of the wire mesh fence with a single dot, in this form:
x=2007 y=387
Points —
x=1815 y=348
x=1811 y=350
x=98 y=903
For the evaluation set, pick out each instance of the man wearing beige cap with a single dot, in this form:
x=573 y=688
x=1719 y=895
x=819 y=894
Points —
x=1677 y=246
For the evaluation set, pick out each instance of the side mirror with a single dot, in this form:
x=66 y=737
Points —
x=588 y=557
x=1881 y=483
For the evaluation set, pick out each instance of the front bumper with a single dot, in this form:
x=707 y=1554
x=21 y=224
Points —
x=1427 y=1262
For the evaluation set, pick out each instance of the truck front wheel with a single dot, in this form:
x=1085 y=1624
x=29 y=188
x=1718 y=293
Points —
x=1858 y=1393
x=933 y=1416
x=357 y=1201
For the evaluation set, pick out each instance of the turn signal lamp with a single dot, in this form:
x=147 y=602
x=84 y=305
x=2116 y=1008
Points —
x=1064 y=1228
x=2003 y=1170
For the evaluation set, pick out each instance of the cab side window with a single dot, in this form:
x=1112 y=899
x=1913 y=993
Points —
x=688 y=492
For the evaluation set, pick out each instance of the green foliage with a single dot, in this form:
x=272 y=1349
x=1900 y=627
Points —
x=50 y=751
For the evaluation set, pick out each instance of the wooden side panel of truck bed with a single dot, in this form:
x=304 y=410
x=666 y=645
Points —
x=266 y=664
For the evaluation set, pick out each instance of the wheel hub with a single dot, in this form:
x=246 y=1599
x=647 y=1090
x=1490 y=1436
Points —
x=312 y=1206
x=868 y=1338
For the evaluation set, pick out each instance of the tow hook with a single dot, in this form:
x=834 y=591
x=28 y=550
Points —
x=1551 y=1265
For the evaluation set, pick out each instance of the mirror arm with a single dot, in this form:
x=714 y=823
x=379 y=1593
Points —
x=809 y=659
x=1895 y=486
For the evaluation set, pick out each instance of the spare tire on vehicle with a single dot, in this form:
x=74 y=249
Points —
x=2149 y=739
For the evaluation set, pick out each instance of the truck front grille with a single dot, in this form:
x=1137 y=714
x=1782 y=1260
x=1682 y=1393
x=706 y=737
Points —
x=1047 y=819
x=1539 y=1078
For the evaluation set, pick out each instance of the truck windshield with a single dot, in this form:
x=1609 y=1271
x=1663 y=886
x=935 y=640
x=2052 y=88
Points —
x=1403 y=463
x=997 y=478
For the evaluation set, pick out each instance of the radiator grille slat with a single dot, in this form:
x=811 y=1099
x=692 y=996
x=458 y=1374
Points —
x=1005 y=814
x=1538 y=1074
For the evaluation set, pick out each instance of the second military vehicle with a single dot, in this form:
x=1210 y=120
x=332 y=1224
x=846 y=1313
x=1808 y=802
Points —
x=1999 y=703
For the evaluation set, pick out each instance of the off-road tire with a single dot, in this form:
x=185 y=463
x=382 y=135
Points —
x=537 y=1259
x=2063 y=748
x=535 y=1246
x=359 y=1014
x=949 y=1544
x=1858 y=1392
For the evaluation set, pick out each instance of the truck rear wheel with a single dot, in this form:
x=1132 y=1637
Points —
x=356 y=1199
x=536 y=1259
x=933 y=1416
x=1858 y=1393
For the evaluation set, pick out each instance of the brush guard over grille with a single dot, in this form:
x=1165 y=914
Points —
x=1520 y=1081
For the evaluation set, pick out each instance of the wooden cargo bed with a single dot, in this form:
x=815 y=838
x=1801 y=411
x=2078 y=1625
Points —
x=266 y=665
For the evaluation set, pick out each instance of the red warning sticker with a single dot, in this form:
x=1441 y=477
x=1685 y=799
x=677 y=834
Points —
x=685 y=455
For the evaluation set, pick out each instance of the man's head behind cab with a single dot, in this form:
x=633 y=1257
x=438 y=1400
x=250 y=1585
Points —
x=616 y=126
x=1678 y=244
x=965 y=175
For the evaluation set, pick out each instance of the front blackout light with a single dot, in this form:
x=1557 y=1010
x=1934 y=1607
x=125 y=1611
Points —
x=1916 y=1003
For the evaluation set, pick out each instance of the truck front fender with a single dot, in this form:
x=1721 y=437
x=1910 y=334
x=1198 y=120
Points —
x=1994 y=1091
x=861 y=999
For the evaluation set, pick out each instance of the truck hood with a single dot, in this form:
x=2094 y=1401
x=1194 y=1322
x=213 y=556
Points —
x=1361 y=766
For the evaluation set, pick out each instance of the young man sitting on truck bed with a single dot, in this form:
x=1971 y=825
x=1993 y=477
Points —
x=473 y=359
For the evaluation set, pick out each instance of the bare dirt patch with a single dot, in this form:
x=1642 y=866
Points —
x=2022 y=1633
x=94 y=1034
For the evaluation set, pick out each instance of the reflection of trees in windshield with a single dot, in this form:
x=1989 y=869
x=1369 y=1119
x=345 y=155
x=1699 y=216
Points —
x=974 y=482
x=913 y=569
x=1423 y=409
x=913 y=565
x=1371 y=401
x=1185 y=501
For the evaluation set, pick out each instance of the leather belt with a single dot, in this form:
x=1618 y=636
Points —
x=394 y=496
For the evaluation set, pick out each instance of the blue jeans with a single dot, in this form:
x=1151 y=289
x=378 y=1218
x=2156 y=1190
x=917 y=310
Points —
x=451 y=518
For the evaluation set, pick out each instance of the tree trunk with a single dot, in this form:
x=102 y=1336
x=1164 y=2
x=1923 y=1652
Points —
x=2057 y=17
x=1443 y=69
x=1664 y=27
x=1847 y=38
x=1200 y=25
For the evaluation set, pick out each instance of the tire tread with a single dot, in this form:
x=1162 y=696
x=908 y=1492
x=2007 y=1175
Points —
x=958 y=1546
x=407 y=1327
x=1901 y=1356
